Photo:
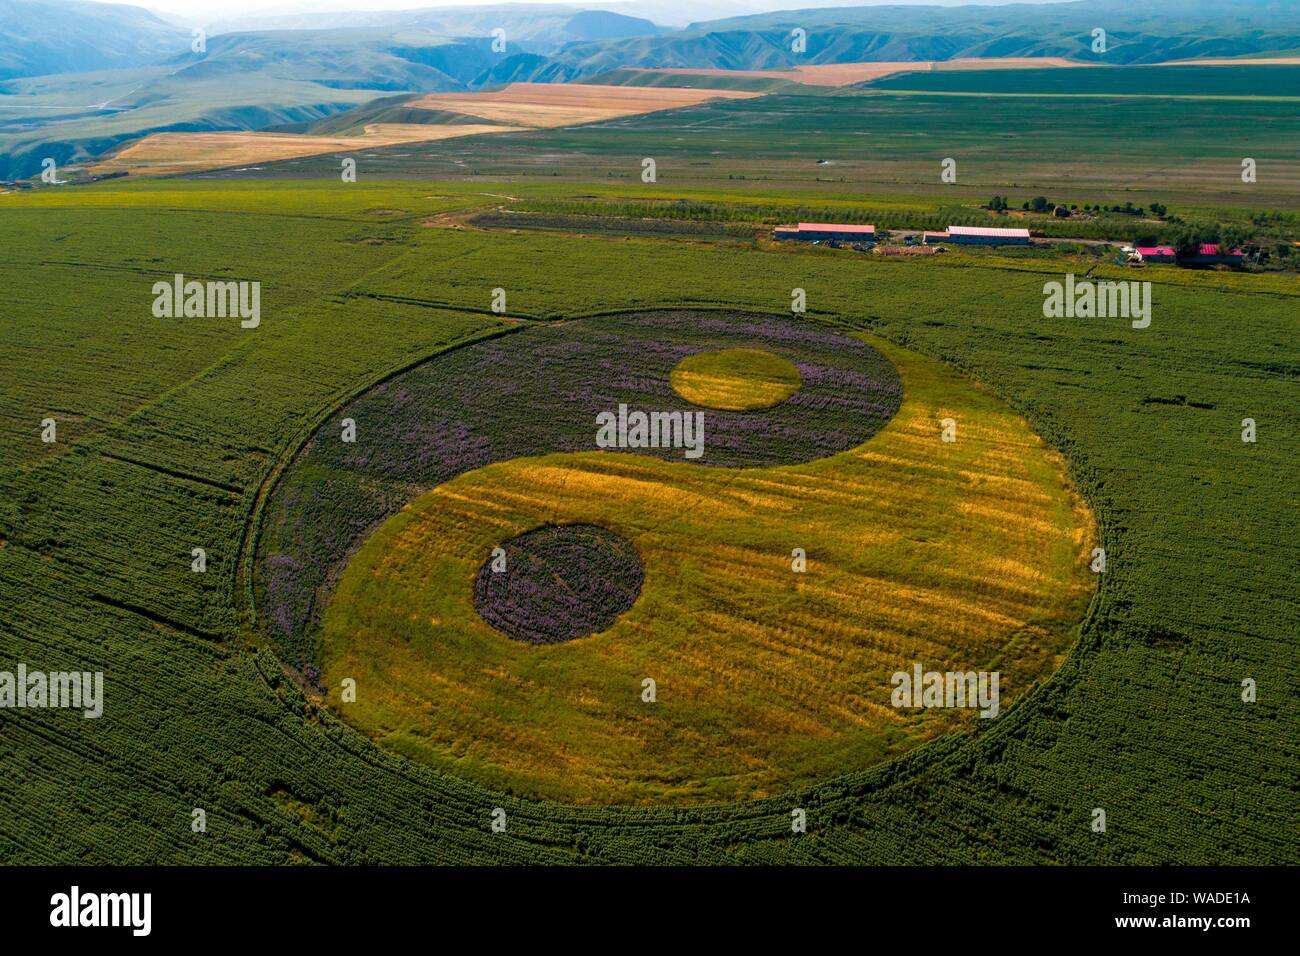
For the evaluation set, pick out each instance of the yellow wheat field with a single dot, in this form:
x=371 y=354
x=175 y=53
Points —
x=165 y=154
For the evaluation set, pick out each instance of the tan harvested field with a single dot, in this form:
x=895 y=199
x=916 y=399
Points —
x=167 y=153
x=844 y=74
x=554 y=104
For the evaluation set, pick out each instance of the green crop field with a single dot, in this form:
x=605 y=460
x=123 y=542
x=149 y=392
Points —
x=864 y=141
x=172 y=434
x=1210 y=82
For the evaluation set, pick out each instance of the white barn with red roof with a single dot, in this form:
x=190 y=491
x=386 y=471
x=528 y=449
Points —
x=822 y=231
x=987 y=236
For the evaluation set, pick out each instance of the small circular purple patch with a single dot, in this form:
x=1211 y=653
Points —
x=560 y=582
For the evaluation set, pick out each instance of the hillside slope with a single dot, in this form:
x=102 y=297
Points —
x=38 y=37
x=1161 y=31
x=243 y=81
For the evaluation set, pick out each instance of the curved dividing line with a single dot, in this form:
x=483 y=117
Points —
x=242 y=585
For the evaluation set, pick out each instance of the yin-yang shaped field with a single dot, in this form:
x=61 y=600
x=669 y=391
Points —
x=525 y=608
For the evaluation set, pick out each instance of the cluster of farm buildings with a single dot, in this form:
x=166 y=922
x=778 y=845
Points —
x=1207 y=255
x=837 y=233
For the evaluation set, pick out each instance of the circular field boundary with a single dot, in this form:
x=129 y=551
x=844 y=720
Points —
x=858 y=784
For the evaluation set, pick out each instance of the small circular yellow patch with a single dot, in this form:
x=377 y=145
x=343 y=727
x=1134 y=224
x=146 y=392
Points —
x=735 y=380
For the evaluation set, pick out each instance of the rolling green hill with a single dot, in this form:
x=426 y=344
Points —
x=159 y=102
x=243 y=81
x=343 y=59
x=387 y=109
x=852 y=34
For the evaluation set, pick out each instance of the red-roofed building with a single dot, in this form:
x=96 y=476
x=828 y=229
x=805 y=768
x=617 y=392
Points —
x=988 y=236
x=1211 y=254
x=1208 y=254
x=823 y=231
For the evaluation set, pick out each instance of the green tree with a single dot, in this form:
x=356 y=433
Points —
x=1233 y=237
x=1187 y=241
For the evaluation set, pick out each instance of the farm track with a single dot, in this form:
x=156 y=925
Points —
x=234 y=490
x=155 y=618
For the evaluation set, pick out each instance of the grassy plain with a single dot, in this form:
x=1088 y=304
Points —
x=171 y=430
x=1278 y=81
x=1102 y=148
